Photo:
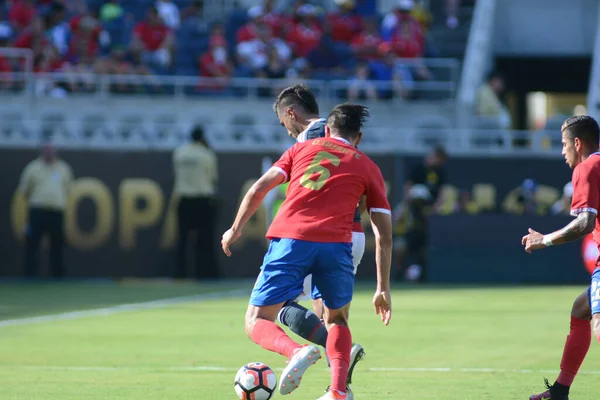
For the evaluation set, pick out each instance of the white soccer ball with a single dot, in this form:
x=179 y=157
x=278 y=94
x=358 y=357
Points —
x=255 y=381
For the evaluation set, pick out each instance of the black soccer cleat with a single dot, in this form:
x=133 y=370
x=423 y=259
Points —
x=356 y=354
x=553 y=392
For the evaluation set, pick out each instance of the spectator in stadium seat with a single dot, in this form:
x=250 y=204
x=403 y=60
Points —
x=306 y=32
x=278 y=22
x=365 y=44
x=389 y=69
x=169 y=13
x=45 y=183
x=215 y=63
x=57 y=28
x=489 y=100
x=195 y=171
x=153 y=42
x=325 y=61
x=345 y=22
x=21 y=14
x=250 y=30
x=33 y=38
x=253 y=55
x=360 y=87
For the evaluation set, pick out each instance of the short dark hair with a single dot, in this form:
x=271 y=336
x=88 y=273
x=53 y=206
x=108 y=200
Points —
x=299 y=96
x=583 y=127
x=348 y=119
x=197 y=134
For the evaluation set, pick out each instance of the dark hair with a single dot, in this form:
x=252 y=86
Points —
x=348 y=119
x=198 y=135
x=299 y=96
x=583 y=127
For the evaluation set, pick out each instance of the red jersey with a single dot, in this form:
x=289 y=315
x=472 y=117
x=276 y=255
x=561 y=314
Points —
x=344 y=26
x=151 y=35
x=22 y=14
x=327 y=179
x=83 y=42
x=367 y=45
x=586 y=191
x=408 y=40
x=303 y=38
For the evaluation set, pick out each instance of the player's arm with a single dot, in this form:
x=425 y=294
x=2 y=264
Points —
x=381 y=222
x=578 y=228
x=276 y=175
x=255 y=196
x=586 y=193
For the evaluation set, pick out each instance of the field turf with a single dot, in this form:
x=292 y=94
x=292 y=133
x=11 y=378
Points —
x=443 y=343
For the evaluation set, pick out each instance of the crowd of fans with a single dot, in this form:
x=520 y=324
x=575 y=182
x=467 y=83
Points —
x=353 y=42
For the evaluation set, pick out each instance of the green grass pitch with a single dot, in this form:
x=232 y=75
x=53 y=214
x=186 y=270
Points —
x=443 y=343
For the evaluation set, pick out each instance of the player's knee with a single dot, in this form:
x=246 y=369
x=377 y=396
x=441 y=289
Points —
x=581 y=307
x=249 y=322
x=336 y=318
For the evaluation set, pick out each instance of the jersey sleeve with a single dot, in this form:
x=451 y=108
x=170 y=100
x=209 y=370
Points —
x=284 y=164
x=586 y=194
x=376 y=197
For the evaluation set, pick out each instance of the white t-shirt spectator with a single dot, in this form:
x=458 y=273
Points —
x=255 y=53
x=169 y=13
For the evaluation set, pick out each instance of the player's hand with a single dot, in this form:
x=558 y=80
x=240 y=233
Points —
x=382 y=301
x=228 y=239
x=533 y=241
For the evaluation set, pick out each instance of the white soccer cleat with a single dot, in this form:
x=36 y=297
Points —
x=297 y=365
x=356 y=354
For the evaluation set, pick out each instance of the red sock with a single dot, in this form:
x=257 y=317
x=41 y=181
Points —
x=577 y=346
x=270 y=336
x=339 y=345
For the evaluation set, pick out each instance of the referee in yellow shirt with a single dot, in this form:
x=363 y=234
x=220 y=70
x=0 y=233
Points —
x=195 y=167
x=45 y=183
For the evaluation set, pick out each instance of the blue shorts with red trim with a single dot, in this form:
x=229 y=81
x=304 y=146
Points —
x=289 y=261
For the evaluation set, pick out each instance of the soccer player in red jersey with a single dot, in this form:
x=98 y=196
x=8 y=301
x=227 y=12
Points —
x=580 y=137
x=297 y=110
x=311 y=234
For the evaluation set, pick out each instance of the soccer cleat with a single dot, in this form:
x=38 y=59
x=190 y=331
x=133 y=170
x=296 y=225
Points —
x=549 y=394
x=292 y=374
x=349 y=394
x=335 y=395
x=356 y=354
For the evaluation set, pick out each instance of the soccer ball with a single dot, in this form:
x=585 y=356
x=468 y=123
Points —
x=255 y=381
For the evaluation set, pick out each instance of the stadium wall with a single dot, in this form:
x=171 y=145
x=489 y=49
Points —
x=120 y=222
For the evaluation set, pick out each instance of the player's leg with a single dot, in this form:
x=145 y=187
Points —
x=281 y=279
x=333 y=277
x=595 y=303
x=303 y=322
x=33 y=236
x=575 y=350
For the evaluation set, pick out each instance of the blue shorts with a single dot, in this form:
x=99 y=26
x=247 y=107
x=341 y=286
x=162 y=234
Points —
x=594 y=292
x=289 y=261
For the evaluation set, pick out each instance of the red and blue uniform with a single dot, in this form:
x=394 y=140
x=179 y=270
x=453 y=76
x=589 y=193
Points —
x=312 y=232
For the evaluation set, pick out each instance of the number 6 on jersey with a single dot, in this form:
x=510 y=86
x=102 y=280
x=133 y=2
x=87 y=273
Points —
x=315 y=167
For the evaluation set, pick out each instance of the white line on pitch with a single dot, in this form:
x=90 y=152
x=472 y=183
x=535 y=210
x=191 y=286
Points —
x=231 y=369
x=101 y=312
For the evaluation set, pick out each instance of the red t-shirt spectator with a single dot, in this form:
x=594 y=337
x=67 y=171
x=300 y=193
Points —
x=21 y=14
x=27 y=40
x=248 y=32
x=152 y=36
x=277 y=23
x=344 y=26
x=408 y=41
x=79 y=34
x=367 y=45
x=304 y=38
